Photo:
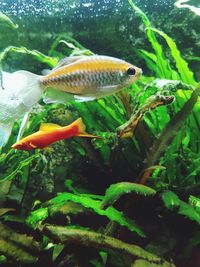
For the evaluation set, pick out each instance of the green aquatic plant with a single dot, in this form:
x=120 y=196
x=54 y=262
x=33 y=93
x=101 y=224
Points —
x=5 y=20
x=172 y=202
x=155 y=161
x=115 y=191
x=187 y=76
x=180 y=4
x=23 y=50
x=73 y=47
x=162 y=62
x=87 y=202
x=158 y=61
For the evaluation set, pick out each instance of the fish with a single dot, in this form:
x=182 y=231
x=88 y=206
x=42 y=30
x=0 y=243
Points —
x=13 y=104
x=50 y=133
x=79 y=78
x=85 y=78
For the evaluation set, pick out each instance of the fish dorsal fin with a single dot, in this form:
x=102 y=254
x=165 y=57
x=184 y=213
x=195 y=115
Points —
x=79 y=123
x=81 y=129
x=45 y=127
x=68 y=60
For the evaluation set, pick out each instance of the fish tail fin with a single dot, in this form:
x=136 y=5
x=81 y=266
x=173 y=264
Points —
x=5 y=131
x=81 y=129
x=26 y=86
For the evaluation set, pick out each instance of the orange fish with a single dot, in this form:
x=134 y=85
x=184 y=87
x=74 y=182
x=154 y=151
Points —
x=50 y=133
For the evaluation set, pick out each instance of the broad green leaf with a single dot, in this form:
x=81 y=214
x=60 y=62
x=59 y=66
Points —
x=115 y=191
x=170 y=199
x=111 y=213
x=189 y=212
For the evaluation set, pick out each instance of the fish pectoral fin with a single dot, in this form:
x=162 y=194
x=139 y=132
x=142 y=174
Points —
x=32 y=145
x=79 y=98
x=108 y=88
x=54 y=96
x=46 y=127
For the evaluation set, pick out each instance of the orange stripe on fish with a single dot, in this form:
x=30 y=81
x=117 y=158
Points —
x=50 y=133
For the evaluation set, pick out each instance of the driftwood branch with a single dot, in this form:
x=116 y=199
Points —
x=171 y=129
x=18 y=247
x=128 y=129
x=167 y=135
x=92 y=239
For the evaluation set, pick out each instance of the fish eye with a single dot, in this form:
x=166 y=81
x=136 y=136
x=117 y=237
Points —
x=131 y=71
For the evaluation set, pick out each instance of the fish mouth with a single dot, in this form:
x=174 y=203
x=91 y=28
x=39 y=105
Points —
x=16 y=146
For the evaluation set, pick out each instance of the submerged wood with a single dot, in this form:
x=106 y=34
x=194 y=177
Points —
x=168 y=134
x=18 y=247
x=171 y=129
x=92 y=239
x=128 y=129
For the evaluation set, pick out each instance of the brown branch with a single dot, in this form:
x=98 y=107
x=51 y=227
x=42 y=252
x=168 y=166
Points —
x=92 y=239
x=146 y=173
x=18 y=247
x=171 y=129
x=168 y=134
x=128 y=129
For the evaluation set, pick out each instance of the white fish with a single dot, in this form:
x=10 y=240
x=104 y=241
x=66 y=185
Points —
x=15 y=101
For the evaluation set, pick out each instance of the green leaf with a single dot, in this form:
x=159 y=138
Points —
x=195 y=202
x=18 y=170
x=5 y=19
x=115 y=191
x=36 y=54
x=111 y=213
x=171 y=200
x=58 y=248
x=37 y=216
x=186 y=74
x=150 y=59
x=189 y=212
x=73 y=47
x=162 y=62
